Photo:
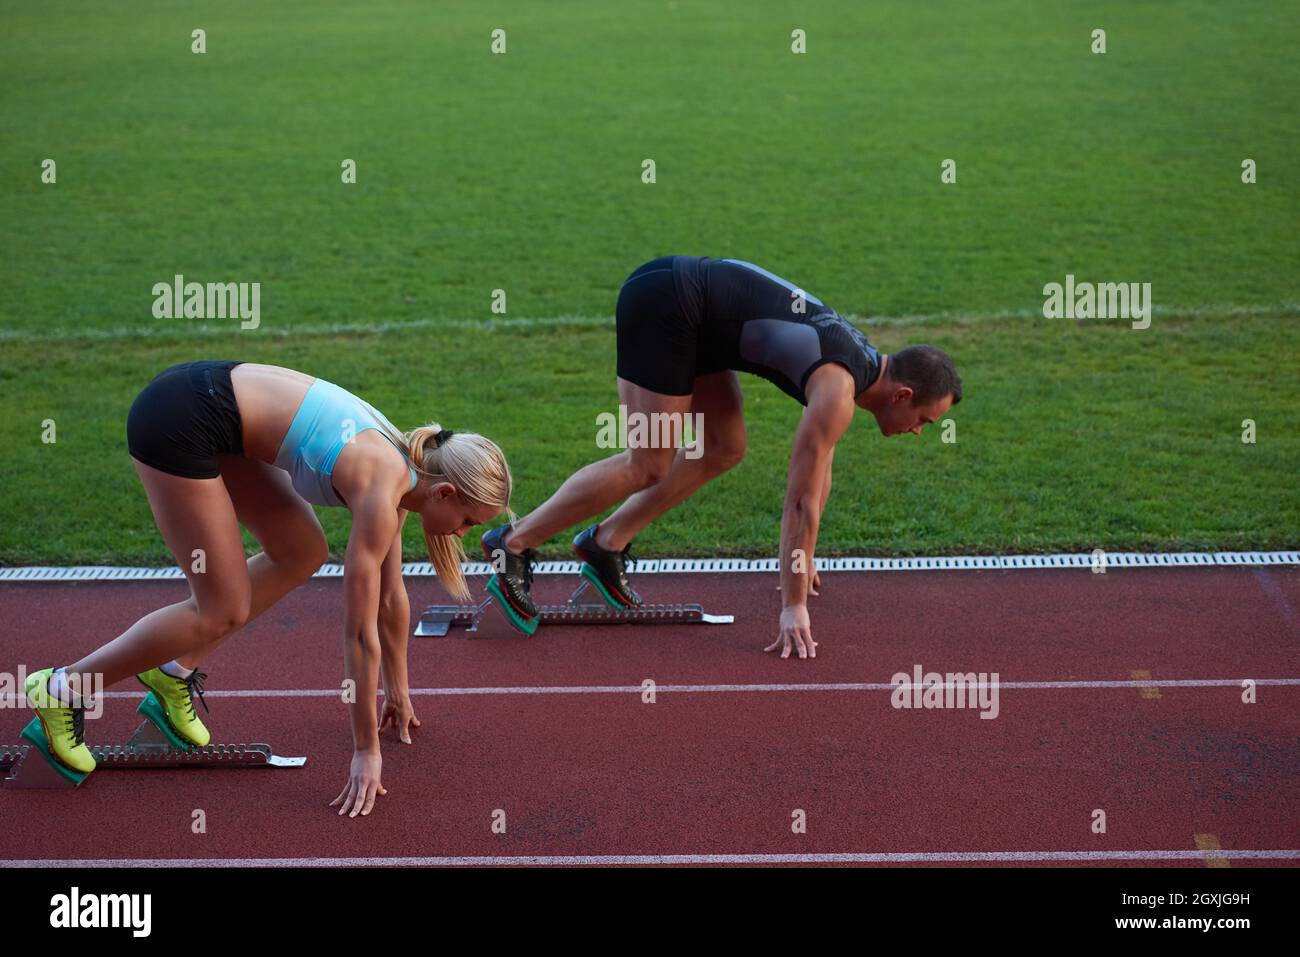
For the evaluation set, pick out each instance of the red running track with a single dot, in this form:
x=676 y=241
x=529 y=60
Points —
x=599 y=776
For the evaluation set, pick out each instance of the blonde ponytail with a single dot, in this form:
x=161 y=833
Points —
x=478 y=469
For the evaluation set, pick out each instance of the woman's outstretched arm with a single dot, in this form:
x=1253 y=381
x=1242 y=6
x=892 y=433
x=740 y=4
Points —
x=374 y=525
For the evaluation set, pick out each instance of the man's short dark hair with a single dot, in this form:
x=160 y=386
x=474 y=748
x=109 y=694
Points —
x=927 y=371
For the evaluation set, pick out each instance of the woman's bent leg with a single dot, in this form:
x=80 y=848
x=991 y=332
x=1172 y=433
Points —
x=197 y=520
x=293 y=542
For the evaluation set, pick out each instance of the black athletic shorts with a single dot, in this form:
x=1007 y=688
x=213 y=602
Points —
x=186 y=417
x=659 y=319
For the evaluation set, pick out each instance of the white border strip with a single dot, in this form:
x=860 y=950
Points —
x=607 y=860
x=713 y=565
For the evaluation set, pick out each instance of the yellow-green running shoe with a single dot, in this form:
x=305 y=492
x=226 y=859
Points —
x=64 y=727
x=177 y=698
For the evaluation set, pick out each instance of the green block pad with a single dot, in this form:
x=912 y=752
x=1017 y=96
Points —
x=35 y=734
x=589 y=573
x=152 y=709
x=521 y=623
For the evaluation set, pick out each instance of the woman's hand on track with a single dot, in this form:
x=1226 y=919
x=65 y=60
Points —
x=399 y=714
x=363 y=785
x=796 y=631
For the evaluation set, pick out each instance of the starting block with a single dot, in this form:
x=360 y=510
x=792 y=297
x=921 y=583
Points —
x=437 y=620
x=153 y=746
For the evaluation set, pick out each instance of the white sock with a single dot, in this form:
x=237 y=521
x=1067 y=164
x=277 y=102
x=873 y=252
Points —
x=60 y=691
x=176 y=669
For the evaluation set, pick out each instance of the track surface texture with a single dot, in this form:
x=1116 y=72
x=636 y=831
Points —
x=1118 y=692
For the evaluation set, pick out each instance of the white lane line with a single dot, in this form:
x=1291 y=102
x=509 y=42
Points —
x=10 y=700
x=920 y=857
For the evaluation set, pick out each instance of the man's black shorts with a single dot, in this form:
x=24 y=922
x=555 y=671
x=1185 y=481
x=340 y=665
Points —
x=658 y=332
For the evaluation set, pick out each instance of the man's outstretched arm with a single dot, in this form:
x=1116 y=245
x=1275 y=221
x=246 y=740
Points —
x=827 y=417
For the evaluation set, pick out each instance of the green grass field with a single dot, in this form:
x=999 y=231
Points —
x=522 y=171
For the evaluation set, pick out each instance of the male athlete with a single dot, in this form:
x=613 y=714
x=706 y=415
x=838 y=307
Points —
x=686 y=326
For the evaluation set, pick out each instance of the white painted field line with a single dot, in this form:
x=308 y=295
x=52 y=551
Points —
x=917 y=857
x=10 y=701
x=150 y=328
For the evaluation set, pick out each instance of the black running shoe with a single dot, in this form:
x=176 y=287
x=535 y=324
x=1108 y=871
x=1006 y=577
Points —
x=606 y=570
x=511 y=586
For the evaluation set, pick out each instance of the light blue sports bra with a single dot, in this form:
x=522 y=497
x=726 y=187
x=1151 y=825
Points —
x=327 y=417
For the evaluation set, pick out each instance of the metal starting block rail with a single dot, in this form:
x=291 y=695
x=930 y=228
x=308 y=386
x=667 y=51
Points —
x=437 y=620
x=30 y=765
